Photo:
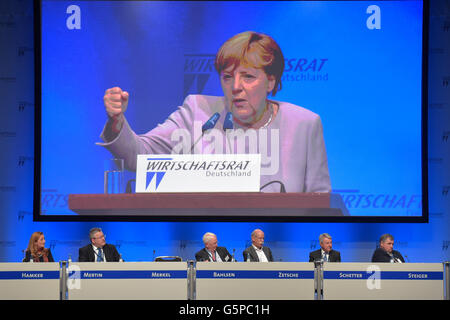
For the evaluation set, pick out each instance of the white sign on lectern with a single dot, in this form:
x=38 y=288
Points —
x=198 y=173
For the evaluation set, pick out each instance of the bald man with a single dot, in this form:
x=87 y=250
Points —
x=256 y=252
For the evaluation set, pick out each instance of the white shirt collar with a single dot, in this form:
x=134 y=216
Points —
x=95 y=248
x=261 y=255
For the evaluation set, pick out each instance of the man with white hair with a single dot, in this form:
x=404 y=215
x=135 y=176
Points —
x=326 y=252
x=211 y=252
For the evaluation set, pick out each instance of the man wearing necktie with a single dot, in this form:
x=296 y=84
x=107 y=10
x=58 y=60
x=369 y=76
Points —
x=386 y=252
x=212 y=252
x=257 y=252
x=326 y=252
x=99 y=254
x=98 y=250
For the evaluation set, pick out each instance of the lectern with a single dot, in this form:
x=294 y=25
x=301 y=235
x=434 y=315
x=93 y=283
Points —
x=219 y=204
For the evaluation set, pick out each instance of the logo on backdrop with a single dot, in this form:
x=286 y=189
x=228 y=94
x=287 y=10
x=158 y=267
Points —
x=446 y=26
x=8 y=188
x=22 y=213
x=445 y=245
x=7 y=244
x=354 y=199
x=313 y=244
x=305 y=69
x=22 y=50
x=52 y=199
x=445 y=81
x=445 y=135
x=445 y=190
x=8 y=134
x=24 y=159
x=198 y=68
x=66 y=244
x=25 y=105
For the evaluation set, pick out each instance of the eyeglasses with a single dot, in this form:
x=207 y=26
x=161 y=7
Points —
x=102 y=237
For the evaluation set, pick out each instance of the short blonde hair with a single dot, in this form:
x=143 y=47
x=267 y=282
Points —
x=253 y=49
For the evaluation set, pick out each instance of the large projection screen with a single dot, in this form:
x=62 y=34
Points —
x=359 y=65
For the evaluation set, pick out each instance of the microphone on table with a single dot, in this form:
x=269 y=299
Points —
x=206 y=126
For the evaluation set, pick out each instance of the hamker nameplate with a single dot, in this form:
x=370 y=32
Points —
x=198 y=173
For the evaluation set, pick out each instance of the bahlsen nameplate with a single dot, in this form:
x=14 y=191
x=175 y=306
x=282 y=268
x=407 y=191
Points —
x=198 y=173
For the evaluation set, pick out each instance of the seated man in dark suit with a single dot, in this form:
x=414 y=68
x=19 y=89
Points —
x=211 y=252
x=256 y=252
x=386 y=252
x=98 y=250
x=326 y=252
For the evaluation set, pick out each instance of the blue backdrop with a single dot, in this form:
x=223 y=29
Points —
x=364 y=83
x=137 y=241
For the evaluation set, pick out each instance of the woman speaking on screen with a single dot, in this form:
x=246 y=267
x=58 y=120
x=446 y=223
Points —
x=288 y=137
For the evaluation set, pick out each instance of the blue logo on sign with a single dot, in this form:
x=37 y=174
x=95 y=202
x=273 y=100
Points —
x=159 y=175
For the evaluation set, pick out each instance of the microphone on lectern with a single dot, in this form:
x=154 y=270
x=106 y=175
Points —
x=228 y=122
x=211 y=123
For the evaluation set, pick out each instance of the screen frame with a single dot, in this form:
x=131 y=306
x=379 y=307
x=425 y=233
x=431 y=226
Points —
x=37 y=191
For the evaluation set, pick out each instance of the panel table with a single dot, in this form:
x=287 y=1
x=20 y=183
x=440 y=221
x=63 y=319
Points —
x=30 y=281
x=383 y=281
x=127 y=281
x=255 y=281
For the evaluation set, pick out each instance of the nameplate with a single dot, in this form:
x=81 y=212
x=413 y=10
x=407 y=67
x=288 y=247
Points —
x=128 y=274
x=29 y=275
x=254 y=274
x=383 y=275
x=198 y=173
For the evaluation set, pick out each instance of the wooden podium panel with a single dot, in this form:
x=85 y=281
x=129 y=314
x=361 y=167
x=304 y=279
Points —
x=226 y=204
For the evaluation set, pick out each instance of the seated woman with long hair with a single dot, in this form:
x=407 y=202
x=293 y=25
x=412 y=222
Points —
x=36 y=249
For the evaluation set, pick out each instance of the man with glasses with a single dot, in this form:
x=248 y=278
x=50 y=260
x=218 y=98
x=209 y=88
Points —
x=98 y=250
